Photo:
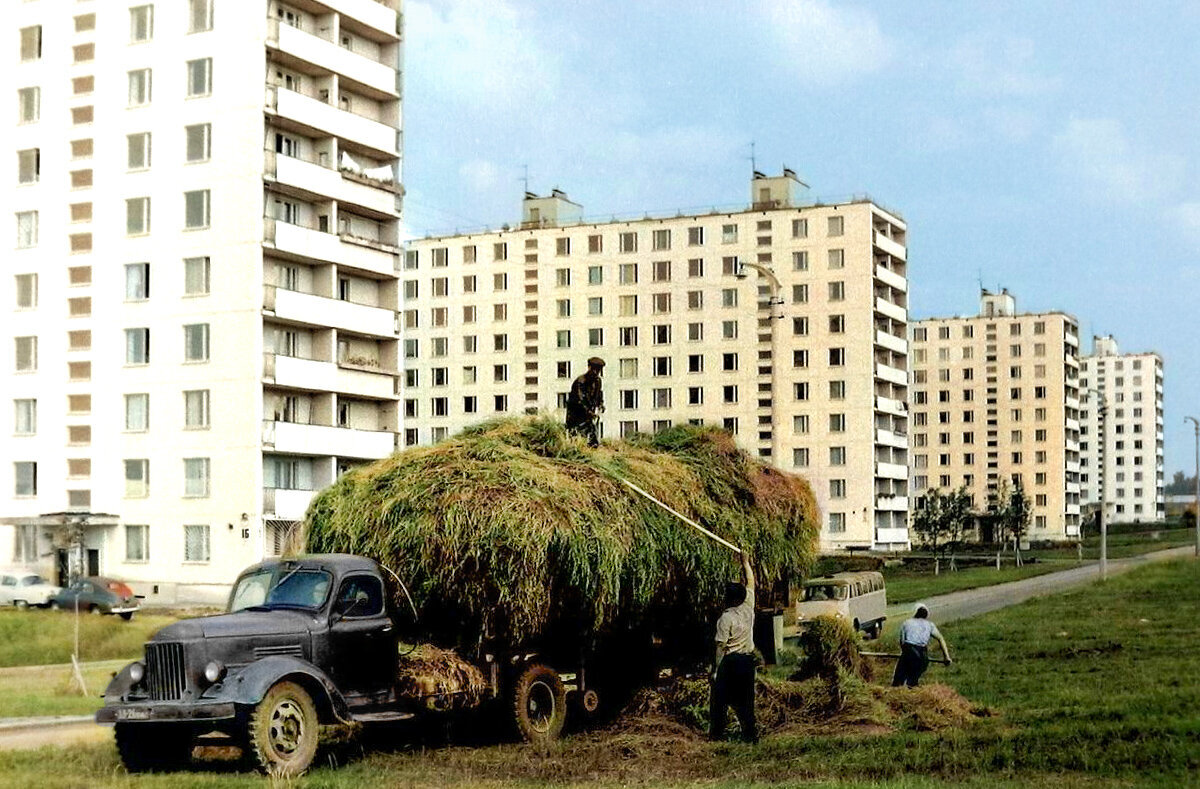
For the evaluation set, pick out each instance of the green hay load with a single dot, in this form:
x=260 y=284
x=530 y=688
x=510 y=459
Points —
x=514 y=533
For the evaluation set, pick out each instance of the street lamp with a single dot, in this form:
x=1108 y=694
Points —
x=1194 y=421
x=776 y=304
x=1102 y=410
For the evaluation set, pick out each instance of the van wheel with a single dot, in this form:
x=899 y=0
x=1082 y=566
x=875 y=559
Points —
x=855 y=625
x=539 y=704
x=282 y=731
x=22 y=604
x=55 y=605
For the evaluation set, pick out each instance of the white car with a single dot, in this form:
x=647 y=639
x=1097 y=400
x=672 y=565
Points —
x=24 y=589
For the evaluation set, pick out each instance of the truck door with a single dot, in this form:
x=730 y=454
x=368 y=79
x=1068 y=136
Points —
x=361 y=637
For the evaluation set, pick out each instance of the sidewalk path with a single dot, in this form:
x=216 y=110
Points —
x=973 y=602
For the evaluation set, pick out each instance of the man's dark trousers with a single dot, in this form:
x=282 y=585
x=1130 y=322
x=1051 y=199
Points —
x=913 y=662
x=734 y=686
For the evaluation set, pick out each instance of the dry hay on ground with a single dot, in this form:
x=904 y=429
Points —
x=441 y=677
x=514 y=531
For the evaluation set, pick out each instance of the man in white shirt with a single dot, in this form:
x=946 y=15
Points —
x=733 y=670
x=914 y=647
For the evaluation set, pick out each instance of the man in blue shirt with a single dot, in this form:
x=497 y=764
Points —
x=914 y=647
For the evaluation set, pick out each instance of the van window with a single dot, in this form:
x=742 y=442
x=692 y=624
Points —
x=825 y=592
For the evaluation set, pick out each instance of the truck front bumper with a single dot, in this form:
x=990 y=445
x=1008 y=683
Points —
x=165 y=712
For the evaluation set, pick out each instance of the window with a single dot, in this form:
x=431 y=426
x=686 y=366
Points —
x=800 y=457
x=25 y=417
x=563 y=338
x=137 y=281
x=596 y=305
x=729 y=330
x=27 y=359
x=137 y=346
x=195 y=409
x=29 y=104
x=837 y=456
x=499 y=283
x=200 y=18
x=627 y=305
x=137 y=479
x=661 y=271
x=500 y=251
x=141 y=23
x=199 y=142
x=137 y=412
x=138 y=151
x=27 y=291
x=137 y=216
x=696 y=268
x=837 y=488
x=729 y=393
x=836 y=226
x=195 y=342
x=837 y=357
x=662 y=333
x=661 y=398
x=837 y=423
x=29 y=166
x=627 y=274
x=595 y=338
x=696 y=363
x=837 y=259
x=137 y=543
x=196 y=546
x=729 y=297
x=195 y=477
x=837 y=324
x=139 y=87
x=837 y=390
x=729 y=234
x=196 y=272
x=199 y=77
x=660 y=303
x=25 y=473
x=31 y=43
x=627 y=336
x=837 y=522
x=627 y=242
x=729 y=362
x=695 y=236
x=27 y=229
x=660 y=240
x=837 y=291
x=196 y=209
x=595 y=244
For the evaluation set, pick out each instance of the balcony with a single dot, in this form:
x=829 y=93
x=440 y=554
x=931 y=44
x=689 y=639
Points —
x=891 y=439
x=322 y=117
x=889 y=405
x=892 y=503
x=285 y=504
x=886 y=372
x=325 y=182
x=888 y=245
x=299 y=439
x=369 y=12
x=1072 y=467
x=891 y=471
x=891 y=278
x=331 y=57
x=891 y=536
x=1072 y=509
x=313 y=245
x=1073 y=424
x=313 y=310
x=891 y=342
x=313 y=375
x=893 y=311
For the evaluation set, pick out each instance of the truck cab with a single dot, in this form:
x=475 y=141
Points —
x=303 y=642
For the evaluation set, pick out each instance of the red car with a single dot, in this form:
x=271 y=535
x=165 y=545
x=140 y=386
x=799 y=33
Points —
x=97 y=596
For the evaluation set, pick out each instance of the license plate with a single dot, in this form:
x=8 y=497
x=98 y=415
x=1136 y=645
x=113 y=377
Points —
x=133 y=714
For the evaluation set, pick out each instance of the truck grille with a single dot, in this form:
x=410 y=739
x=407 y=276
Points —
x=165 y=677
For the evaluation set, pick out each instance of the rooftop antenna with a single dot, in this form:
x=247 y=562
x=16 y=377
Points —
x=524 y=179
x=753 y=159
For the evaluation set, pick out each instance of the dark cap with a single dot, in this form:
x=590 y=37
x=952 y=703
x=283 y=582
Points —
x=595 y=361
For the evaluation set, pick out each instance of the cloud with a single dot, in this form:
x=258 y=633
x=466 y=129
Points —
x=994 y=65
x=1099 y=153
x=824 y=42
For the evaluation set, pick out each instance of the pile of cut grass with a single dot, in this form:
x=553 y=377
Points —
x=514 y=532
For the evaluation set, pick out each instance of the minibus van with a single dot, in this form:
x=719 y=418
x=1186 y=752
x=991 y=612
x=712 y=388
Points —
x=859 y=598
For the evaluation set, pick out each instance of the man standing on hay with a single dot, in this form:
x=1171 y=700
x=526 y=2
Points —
x=733 y=671
x=586 y=402
x=914 y=647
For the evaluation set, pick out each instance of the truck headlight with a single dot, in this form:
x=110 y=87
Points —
x=214 y=672
x=137 y=672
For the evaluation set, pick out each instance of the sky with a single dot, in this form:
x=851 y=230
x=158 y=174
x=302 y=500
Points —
x=1050 y=148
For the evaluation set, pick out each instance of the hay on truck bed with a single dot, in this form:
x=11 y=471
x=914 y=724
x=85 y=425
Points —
x=514 y=533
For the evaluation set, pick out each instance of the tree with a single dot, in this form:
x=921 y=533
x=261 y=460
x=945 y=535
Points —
x=1018 y=512
x=940 y=520
x=960 y=512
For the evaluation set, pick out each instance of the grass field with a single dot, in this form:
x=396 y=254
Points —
x=41 y=637
x=1092 y=688
x=50 y=690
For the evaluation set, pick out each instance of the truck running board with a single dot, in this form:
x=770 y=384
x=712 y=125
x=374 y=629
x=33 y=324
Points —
x=386 y=716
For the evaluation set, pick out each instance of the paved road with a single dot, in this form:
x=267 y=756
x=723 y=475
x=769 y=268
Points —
x=973 y=602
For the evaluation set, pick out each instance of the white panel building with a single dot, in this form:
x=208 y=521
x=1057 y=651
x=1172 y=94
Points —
x=1127 y=458
x=199 y=306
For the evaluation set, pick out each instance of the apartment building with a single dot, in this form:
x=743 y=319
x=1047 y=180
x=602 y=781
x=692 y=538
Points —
x=1125 y=454
x=995 y=397
x=199 y=307
x=782 y=321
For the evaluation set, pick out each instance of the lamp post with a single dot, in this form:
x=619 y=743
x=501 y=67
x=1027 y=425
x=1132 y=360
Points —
x=1196 y=422
x=1102 y=410
x=776 y=308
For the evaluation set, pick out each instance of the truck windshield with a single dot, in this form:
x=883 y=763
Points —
x=281 y=587
x=825 y=592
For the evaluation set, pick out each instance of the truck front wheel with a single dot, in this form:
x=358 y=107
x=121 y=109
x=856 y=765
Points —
x=539 y=704
x=283 y=730
x=150 y=747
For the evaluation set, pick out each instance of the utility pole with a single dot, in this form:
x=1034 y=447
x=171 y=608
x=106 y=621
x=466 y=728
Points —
x=1196 y=422
x=1103 y=412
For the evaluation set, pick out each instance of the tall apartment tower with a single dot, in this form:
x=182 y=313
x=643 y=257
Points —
x=199 y=312
x=783 y=322
x=1130 y=465
x=996 y=397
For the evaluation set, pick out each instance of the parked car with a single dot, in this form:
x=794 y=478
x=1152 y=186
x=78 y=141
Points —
x=97 y=596
x=24 y=589
x=860 y=598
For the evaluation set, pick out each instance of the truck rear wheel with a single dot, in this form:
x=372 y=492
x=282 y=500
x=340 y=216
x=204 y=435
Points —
x=283 y=730
x=150 y=747
x=539 y=704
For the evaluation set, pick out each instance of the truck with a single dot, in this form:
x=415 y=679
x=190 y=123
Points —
x=305 y=642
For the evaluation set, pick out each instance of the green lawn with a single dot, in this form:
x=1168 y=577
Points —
x=1099 y=687
x=41 y=637
x=31 y=692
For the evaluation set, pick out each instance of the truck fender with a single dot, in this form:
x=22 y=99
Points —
x=120 y=684
x=248 y=685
